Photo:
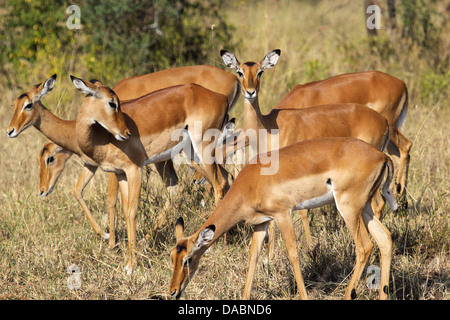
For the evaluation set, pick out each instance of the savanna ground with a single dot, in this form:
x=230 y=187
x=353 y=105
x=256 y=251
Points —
x=41 y=238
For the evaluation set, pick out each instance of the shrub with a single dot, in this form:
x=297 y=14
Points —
x=130 y=36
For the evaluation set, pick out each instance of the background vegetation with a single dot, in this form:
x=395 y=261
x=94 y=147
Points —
x=41 y=238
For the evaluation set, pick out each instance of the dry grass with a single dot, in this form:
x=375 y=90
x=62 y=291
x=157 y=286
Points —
x=41 y=238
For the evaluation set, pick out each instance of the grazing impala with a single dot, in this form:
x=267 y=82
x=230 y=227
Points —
x=209 y=77
x=148 y=125
x=52 y=160
x=294 y=125
x=312 y=173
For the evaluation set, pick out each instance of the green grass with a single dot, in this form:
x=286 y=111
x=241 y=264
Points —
x=41 y=238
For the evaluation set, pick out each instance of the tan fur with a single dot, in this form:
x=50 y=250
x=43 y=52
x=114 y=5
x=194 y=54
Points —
x=52 y=160
x=351 y=168
x=377 y=90
x=177 y=108
x=294 y=125
x=130 y=88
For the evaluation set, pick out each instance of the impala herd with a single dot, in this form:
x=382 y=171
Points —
x=337 y=141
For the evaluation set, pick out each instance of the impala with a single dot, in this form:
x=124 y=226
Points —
x=29 y=111
x=53 y=158
x=295 y=125
x=312 y=173
x=147 y=124
x=210 y=77
x=377 y=90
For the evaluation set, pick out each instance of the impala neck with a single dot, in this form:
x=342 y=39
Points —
x=227 y=214
x=62 y=132
x=87 y=132
x=253 y=118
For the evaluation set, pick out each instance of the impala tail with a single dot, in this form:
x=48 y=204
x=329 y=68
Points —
x=402 y=117
x=386 y=188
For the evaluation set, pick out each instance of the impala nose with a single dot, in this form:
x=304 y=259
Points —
x=251 y=94
x=10 y=133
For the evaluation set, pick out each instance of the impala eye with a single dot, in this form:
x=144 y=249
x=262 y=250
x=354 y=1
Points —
x=187 y=262
x=113 y=105
x=259 y=73
x=50 y=160
x=240 y=74
x=28 y=106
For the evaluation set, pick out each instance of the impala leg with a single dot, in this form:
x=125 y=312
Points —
x=378 y=203
x=219 y=178
x=363 y=250
x=304 y=217
x=271 y=234
x=404 y=146
x=259 y=234
x=113 y=189
x=86 y=175
x=353 y=221
x=205 y=164
x=123 y=186
x=400 y=148
x=382 y=237
x=134 y=188
x=170 y=178
x=271 y=241
x=286 y=225
x=216 y=174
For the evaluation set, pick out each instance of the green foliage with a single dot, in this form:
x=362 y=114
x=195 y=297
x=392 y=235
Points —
x=31 y=26
x=417 y=17
x=435 y=86
x=131 y=35
x=418 y=26
x=315 y=70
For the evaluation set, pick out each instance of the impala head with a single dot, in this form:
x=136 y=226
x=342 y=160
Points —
x=101 y=105
x=25 y=107
x=249 y=73
x=52 y=160
x=186 y=256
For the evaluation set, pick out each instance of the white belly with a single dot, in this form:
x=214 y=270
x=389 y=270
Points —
x=184 y=144
x=327 y=198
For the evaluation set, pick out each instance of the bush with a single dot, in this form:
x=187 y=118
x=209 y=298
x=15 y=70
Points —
x=116 y=37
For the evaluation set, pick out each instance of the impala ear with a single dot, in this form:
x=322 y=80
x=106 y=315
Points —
x=87 y=88
x=205 y=236
x=96 y=82
x=270 y=60
x=58 y=149
x=179 y=228
x=47 y=87
x=230 y=60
